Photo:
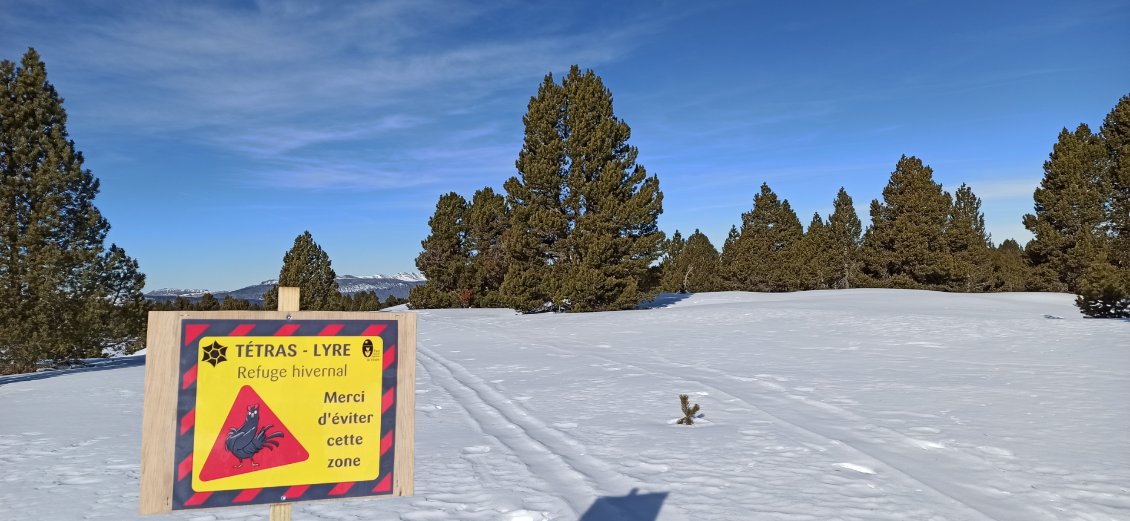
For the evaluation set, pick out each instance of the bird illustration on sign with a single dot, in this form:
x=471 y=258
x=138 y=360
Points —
x=246 y=441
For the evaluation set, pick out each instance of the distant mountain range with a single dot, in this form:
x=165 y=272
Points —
x=382 y=285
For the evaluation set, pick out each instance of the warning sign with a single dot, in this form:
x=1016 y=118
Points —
x=322 y=392
x=275 y=410
x=257 y=440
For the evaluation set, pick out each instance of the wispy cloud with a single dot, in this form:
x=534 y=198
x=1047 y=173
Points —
x=292 y=84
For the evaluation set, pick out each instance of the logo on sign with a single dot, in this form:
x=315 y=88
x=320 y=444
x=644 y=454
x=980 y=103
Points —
x=367 y=348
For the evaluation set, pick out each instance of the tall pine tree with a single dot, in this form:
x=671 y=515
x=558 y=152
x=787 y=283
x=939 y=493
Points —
x=968 y=243
x=1115 y=135
x=586 y=242
x=905 y=246
x=307 y=267
x=538 y=222
x=64 y=295
x=444 y=260
x=1070 y=219
x=765 y=255
x=485 y=222
x=844 y=236
x=692 y=266
x=813 y=255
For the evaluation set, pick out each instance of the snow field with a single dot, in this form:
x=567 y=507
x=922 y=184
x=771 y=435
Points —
x=851 y=405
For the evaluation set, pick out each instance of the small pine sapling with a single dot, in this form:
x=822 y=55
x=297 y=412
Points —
x=688 y=411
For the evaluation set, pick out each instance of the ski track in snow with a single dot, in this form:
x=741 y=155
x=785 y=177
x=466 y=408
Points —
x=554 y=458
x=848 y=405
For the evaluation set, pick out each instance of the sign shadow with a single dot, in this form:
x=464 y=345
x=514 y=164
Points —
x=632 y=507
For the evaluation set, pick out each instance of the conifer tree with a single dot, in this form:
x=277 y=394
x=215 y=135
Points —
x=813 y=255
x=444 y=260
x=1069 y=223
x=764 y=256
x=969 y=243
x=485 y=222
x=671 y=278
x=728 y=261
x=1115 y=134
x=366 y=301
x=584 y=226
x=231 y=303
x=694 y=266
x=64 y=295
x=207 y=302
x=844 y=236
x=307 y=267
x=702 y=263
x=537 y=214
x=905 y=246
x=1103 y=293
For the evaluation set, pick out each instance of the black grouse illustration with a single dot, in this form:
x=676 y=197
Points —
x=246 y=441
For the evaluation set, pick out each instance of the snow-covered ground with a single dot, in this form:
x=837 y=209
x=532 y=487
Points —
x=861 y=404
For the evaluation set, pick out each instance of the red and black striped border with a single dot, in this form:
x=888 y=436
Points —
x=184 y=497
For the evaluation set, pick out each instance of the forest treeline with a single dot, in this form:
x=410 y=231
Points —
x=576 y=228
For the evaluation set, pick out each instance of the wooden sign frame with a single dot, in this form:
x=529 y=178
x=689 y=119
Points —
x=164 y=382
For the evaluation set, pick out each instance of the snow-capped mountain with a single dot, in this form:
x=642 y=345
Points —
x=383 y=285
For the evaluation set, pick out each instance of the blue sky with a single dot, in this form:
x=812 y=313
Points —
x=222 y=130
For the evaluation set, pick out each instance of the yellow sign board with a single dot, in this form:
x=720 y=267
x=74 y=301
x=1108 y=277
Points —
x=274 y=411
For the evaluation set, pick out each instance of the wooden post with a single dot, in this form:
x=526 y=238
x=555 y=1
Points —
x=288 y=301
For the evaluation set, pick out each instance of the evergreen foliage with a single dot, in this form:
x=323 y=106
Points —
x=307 y=267
x=208 y=302
x=906 y=246
x=485 y=222
x=814 y=256
x=1115 y=134
x=671 y=278
x=764 y=256
x=1009 y=268
x=968 y=243
x=844 y=236
x=444 y=260
x=1069 y=223
x=65 y=296
x=583 y=224
x=1103 y=292
x=692 y=266
x=688 y=411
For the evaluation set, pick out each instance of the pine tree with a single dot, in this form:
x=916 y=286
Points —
x=64 y=295
x=905 y=246
x=1010 y=269
x=537 y=214
x=1103 y=293
x=307 y=267
x=729 y=261
x=1070 y=220
x=231 y=303
x=207 y=302
x=584 y=227
x=692 y=265
x=844 y=236
x=701 y=264
x=813 y=255
x=1115 y=135
x=671 y=279
x=969 y=243
x=485 y=222
x=444 y=261
x=764 y=256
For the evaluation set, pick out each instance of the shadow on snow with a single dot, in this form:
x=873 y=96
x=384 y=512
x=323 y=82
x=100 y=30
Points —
x=632 y=507
x=96 y=365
